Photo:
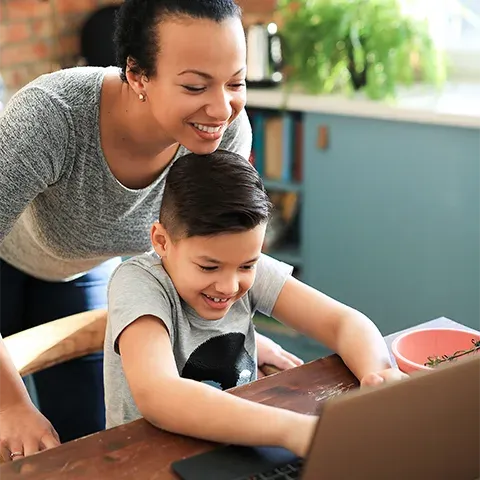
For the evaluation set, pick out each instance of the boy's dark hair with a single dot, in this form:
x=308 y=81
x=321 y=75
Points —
x=212 y=194
x=136 y=27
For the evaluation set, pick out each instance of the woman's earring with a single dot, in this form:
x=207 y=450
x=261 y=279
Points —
x=142 y=97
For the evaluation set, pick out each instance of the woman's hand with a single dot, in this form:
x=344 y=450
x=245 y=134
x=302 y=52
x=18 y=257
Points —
x=271 y=353
x=23 y=431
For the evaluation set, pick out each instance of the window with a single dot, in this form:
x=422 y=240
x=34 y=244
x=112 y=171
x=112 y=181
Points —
x=455 y=27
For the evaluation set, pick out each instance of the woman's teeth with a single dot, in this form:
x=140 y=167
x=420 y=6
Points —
x=205 y=128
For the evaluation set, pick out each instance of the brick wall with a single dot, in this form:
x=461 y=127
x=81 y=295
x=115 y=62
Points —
x=39 y=36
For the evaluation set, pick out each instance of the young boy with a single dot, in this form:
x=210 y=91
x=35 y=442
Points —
x=180 y=317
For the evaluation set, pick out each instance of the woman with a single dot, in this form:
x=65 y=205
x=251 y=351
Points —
x=83 y=157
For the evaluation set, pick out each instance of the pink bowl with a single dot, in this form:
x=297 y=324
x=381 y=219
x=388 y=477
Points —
x=412 y=349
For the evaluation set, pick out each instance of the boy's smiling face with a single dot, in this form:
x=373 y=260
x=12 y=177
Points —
x=210 y=273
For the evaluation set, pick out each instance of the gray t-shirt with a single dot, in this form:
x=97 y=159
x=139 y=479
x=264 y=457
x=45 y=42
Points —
x=219 y=352
x=62 y=211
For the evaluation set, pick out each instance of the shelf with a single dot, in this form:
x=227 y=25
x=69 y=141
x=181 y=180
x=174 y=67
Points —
x=281 y=186
x=288 y=254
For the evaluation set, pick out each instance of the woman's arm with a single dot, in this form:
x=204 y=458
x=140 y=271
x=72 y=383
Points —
x=192 y=408
x=33 y=146
x=341 y=328
x=23 y=428
x=12 y=386
x=33 y=143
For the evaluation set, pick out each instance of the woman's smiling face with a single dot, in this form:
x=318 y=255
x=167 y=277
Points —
x=199 y=85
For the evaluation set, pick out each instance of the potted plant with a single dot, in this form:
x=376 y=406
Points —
x=351 y=45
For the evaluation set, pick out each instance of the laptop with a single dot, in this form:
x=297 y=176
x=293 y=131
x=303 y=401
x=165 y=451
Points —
x=426 y=427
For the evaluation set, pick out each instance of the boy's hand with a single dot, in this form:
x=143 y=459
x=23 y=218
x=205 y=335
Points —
x=271 y=353
x=377 y=378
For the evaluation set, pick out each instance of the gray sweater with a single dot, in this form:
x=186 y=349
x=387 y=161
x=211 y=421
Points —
x=62 y=212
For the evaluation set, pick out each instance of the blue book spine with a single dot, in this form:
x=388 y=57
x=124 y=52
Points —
x=258 y=145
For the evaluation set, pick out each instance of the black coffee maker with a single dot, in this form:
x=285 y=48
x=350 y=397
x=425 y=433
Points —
x=264 y=55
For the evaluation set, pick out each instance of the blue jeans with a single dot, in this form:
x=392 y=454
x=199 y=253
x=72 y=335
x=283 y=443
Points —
x=71 y=394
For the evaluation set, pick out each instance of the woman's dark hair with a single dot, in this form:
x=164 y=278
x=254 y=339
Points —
x=136 y=24
x=212 y=194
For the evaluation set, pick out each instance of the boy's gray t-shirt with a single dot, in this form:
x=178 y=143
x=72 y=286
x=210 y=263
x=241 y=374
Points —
x=220 y=352
x=62 y=211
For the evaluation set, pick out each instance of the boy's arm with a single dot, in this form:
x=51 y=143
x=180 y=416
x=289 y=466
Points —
x=195 y=409
x=341 y=328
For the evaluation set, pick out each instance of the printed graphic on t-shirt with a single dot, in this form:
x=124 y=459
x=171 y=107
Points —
x=222 y=360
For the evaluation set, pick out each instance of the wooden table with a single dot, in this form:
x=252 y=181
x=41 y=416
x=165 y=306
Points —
x=140 y=451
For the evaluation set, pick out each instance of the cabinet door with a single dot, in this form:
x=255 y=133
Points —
x=391 y=219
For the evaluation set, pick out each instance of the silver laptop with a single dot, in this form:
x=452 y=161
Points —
x=426 y=427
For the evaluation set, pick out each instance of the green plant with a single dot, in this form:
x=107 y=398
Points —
x=348 y=45
x=435 y=360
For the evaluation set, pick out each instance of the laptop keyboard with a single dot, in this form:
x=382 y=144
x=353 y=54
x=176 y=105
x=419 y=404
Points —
x=291 y=471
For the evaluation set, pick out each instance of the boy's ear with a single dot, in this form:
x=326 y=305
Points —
x=160 y=239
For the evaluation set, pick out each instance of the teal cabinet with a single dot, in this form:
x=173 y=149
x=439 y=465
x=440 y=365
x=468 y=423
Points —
x=391 y=216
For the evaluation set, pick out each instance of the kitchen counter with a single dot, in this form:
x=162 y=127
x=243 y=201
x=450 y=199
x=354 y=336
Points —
x=455 y=104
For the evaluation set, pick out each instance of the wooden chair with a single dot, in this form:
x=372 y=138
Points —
x=58 y=341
